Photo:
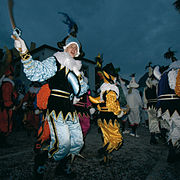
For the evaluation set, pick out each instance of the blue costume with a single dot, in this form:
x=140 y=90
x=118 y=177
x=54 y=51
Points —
x=168 y=106
x=64 y=83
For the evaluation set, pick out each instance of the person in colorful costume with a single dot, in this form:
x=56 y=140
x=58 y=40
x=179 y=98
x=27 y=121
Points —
x=83 y=109
x=134 y=102
x=109 y=111
x=7 y=106
x=31 y=115
x=150 y=100
x=61 y=127
x=168 y=104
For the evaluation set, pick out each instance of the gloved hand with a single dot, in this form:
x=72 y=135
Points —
x=76 y=100
x=121 y=114
x=92 y=111
x=19 y=44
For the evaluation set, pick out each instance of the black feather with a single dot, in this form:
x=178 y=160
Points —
x=73 y=28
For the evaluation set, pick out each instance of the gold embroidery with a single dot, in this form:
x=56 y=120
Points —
x=112 y=103
x=177 y=88
x=111 y=134
x=27 y=63
x=25 y=56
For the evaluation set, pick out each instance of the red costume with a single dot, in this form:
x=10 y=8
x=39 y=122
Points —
x=6 y=110
x=31 y=119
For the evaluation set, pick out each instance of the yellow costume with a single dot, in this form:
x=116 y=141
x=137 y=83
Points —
x=109 y=108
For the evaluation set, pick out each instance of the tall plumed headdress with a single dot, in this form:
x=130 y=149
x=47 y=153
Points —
x=109 y=73
x=99 y=60
x=109 y=69
x=170 y=55
x=72 y=35
x=150 y=69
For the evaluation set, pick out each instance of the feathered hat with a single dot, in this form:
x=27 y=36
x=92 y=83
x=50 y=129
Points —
x=109 y=69
x=99 y=60
x=132 y=83
x=72 y=35
x=170 y=55
x=109 y=73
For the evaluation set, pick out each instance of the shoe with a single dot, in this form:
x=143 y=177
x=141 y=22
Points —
x=65 y=169
x=106 y=160
x=132 y=134
x=39 y=173
x=153 y=140
x=172 y=157
x=125 y=132
x=65 y=172
x=137 y=136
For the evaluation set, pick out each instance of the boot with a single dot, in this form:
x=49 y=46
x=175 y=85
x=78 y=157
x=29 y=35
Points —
x=172 y=153
x=133 y=132
x=107 y=159
x=153 y=139
x=64 y=168
x=39 y=161
x=163 y=136
x=102 y=151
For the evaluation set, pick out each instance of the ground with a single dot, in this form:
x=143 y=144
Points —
x=135 y=160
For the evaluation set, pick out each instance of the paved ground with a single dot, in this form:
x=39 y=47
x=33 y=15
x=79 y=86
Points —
x=136 y=160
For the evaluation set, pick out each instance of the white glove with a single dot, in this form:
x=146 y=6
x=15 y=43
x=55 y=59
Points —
x=24 y=105
x=37 y=111
x=19 y=44
x=121 y=114
x=76 y=100
x=92 y=111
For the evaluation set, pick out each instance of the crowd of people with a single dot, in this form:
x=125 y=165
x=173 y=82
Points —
x=17 y=109
x=58 y=107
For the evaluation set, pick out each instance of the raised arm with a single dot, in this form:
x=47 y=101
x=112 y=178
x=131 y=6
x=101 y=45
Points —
x=35 y=70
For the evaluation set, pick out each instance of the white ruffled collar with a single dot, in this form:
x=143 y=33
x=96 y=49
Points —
x=107 y=87
x=66 y=60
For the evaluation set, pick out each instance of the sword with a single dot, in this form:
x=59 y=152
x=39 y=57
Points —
x=16 y=31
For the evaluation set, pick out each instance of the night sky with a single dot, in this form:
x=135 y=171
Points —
x=129 y=33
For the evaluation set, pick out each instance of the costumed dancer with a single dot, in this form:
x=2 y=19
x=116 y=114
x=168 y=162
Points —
x=61 y=127
x=18 y=114
x=134 y=102
x=150 y=100
x=31 y=112
x=109 y=108
x=7 y=105
x=168 y=104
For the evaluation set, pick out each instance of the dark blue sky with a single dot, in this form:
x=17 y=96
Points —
x=129 y=33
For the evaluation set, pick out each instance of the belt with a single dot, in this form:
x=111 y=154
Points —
x=60 y=93
x=168 y=97
x=152 y=100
